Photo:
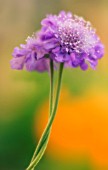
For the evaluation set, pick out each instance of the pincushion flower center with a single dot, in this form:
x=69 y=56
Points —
x=75 y=35
x=69 y=35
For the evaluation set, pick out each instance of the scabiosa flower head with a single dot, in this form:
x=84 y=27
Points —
x=30 y=55
x=65 y=38
x=70 y=39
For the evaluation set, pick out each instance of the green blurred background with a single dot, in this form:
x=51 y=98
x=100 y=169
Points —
x=23 y=93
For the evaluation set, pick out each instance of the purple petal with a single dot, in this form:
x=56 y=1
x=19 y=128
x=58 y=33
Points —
x=17 y=63
x=37 y=65
x=83 y=65
x=18 y=52
x=99 y=51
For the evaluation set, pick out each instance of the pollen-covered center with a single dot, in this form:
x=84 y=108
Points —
x=75 y=35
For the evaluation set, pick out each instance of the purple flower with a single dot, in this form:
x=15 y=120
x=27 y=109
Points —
x=65 y=38
x=70 y=39
x=31 y=56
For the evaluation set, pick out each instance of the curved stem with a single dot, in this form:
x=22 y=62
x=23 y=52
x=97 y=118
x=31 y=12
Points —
x=50 y=101
x=46 y=132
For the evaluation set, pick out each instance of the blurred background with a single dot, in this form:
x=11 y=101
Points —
x=79 y=139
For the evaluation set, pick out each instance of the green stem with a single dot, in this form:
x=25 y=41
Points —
x=51 y=85
x=51 y=106
x=49 y=124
